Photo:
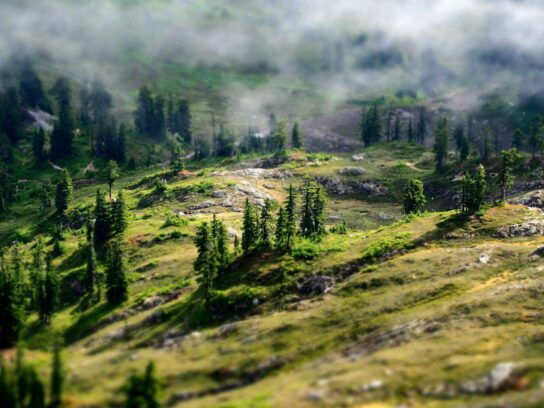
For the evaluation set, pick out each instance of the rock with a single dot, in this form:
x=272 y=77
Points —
x=200 y=206
x=251 y=191
x=501 y=378
x=527 y=229
x=533 y=199
x=227 y=329
x=370 y=188
x=316 y=395
x=483 y=259
x=352 y=171
x=372 y=386
x=316 y=285
x=334 y=186
x=384 y=217
x=219 y=194
x=232 y=232
x=358 y=157
x=539 y=252
x=149 y=200
x=280 y=174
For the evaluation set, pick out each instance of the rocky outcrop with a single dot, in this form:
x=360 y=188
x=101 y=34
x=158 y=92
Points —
x=352 y=171
x=532 y=199
x=527 y=229
x=368 y=189
x=316 y=285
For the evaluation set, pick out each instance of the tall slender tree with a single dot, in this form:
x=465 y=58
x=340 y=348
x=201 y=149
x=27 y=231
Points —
x=441 y=144
x=414 y=197
x=116 y=280
x=63 y=192
x=250 y=227
x=296 y=137
x=206 y=264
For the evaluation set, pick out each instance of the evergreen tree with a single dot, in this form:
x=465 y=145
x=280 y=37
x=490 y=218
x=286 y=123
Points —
x=11 y=118
x=372 y=128
x=265 y=233
x=49 y=293
x=536 y=138
x=36 y=390
x=518 y=140
x=396 y=135
x=57 y=377
x=464 y=149
x=272 y=123
x=63 y=192
x=459 y=137
x=474 y=192
x=225 y=145
x=313 y=210
x=99 y=102
x=411 y=136
x=281 y=230
x=506 y=178
x=116 y=281
x=63 y=132
x=120 y=216
x=296 y=137
x=291 y=224
x=184 y=113
x=31 y=88
x=142 y=391
x=220 y=236
x=421 y=130
x=46 y=195
x=90 y=280
x=11 y=308
x=102 y=223
x=112 y=174
x=250 y=227
x=38 y=145
x=441 y=144
x=486 y=149
x=121 y=155
x=278 y=139
x=414 y=197
x=206 y=264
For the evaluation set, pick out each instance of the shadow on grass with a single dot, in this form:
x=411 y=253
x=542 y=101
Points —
x=87 y=322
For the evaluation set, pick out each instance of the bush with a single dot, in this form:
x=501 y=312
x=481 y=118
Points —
x=223 y=305
x=305 y=251
x=174 y=221
x=201 y=187
x=384 y=246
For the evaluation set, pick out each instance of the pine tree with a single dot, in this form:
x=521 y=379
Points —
x=90 y=280
x=142 y=391
x=62 y=136
x=441 y=144
x=185 y=131
x=31 y=88
x=206 y=264
x=100 y=102
x=121 y=155
x=506 y=178
x=250 y=230
x=46 y=195
x=63 y=192
x=36 y=390
x=459 y=137
x=296 y=137
x=518 y=139
x=102 y=223
x=474 y=192
x=116 y=280
x=421 y=130
x=11 y=308
x=119 y=215
x=112 y=174
x=38 y=146
x=411 y=136
x=11 y=118
x=372 y=128
x=313 y=210
x=486 y=149
x=265 y=233
x=414 y=197
x=57 y=377
x=281 y=230
x=220 y=236
x=291 y=224
x=396 y=135
x=49 y=294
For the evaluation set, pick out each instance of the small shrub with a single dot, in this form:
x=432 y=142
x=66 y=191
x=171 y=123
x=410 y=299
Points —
x=305 y=251
x=201 y=187
x=341 y=229
x=174 y=221
x=223 y=305
x=384 y=246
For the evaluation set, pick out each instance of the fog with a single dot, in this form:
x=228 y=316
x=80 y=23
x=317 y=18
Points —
x=355 y=48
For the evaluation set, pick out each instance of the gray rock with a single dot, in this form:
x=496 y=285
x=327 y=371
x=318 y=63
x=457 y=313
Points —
x=527 y=229
x=316 y=285
x=352 y=171
x=531 y=199
x=501 y=378
x=200 y=206
x=358 y=157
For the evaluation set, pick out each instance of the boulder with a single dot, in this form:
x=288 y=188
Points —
x=527 y=229
x=531 y=199
x=316 y=285
x=352 y=171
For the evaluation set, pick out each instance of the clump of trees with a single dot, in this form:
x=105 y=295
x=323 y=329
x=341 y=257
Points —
x=414 y=197
x=142 y=390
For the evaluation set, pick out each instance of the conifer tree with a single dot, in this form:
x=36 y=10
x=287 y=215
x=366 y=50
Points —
x=38 y=145
x=112 y=174
x=63 y=192
x=372 y=128
x=49 y=293
x=120 y=216
x=421 y=130
x=396 y=134
x=291 y=222
x=102 y=223
x=250 y=229
x=31 y=88
x=121 y=155
x=474 y=192
x=11 y=118
x=411 y=136
x=220 y=236
x=441 y=144
x=63 y=133
x=506 y=178
x=265 y=234
x=414 y=197
x=142 y=391
x=90 y=281
x=206 y=264
x=11 y=307
x=486 y=149
x=518 y=139
x=296 y=137
x=185 y=130
x=46 y=195
x=281 y=230
x=313 y=210
x=57 y=377
x=116 y=280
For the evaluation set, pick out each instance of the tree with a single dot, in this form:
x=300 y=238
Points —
x=116 y=280
x=536 y=138
x=206 y=264
x=142 y=391
x=31 y=88
x=265 y=233
x=372 y=128
x=411 y=136
x=49 y=293
x=57 y=376
x=46 y=195
x=291 y=223
x=313 y=210
x=11 y=307
x=518 y=139
x=90 y=280
x=506 y=179
x=63 y=192
x=421 y=130
x=112 y=174
x=121 y=155
x=11 y=118
x=486 y=149
x=474 y=191
x=281 y=230
x=414 y=197
x=119 y=215
x=296 y=137
x=278 y=139
x=102 y=223
x=220 y=236
x=63 y=132
x=250 y=227
x=441 y=144
x=396 y=134
x=38 y=145
x=100 y=102
x=184 y=112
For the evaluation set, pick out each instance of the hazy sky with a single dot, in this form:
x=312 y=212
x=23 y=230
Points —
x=367 y=45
